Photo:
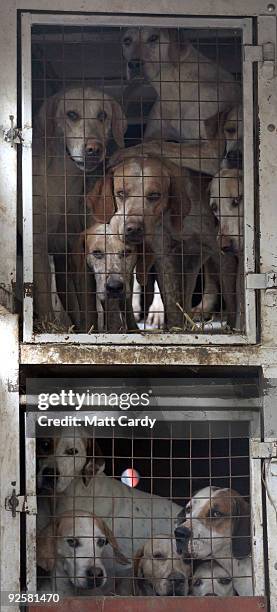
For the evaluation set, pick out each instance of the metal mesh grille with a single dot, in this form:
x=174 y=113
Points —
x=137 y=180
x=183 y=528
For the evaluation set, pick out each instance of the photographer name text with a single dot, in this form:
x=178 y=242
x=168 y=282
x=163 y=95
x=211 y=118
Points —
x=95 y=421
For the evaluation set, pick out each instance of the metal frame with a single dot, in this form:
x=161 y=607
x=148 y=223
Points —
x=144 y=338
x=233 y=414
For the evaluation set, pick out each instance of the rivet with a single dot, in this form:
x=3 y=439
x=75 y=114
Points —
x=271 y=8
x=271 y=127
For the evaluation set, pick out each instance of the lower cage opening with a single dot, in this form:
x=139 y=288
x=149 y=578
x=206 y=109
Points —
x=137 y=511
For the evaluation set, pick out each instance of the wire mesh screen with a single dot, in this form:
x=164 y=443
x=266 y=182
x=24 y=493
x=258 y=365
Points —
x=138 y=179
x=161 y=511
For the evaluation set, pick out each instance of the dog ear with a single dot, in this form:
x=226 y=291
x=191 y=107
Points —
x=241 y=545
x=46 y=548
x=46 y=124
x=100 y=201
x=95 y=463
x=119 y=556
x=179 y=202
x=119 y=123
x=144 y=264
x=137 y=559
x=177 y=46
x=78 y=255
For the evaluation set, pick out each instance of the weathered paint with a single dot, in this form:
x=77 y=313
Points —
x=267 y=95
x=9 y=452
x=160 y=7
x=54 y=354
x=8 y=155
x=159 y=604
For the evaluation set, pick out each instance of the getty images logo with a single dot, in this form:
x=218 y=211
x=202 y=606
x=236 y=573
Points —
x=72 y=399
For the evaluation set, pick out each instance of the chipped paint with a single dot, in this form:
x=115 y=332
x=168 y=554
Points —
x=82 y=354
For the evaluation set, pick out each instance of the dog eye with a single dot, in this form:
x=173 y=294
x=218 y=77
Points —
x=73 y=542
x=154 y=196
x=71 y=451
x=102 y=542
x=45 y=445
x=231 y=130
x=216 y=514
x=158 y=555
x=197 y=582
x=125 y=253
x=153 y=38
x=102 y=116
x=188 y=511
x=236 y=201
x=120 y=195
x=73 y=116
x=98 y=254
x=127 y=41
x=213 y=206
x=224 y=580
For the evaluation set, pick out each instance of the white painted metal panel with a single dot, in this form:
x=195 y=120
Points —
x=9 y=454
x=8 y=155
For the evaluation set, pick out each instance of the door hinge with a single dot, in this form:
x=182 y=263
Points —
x=264 y=54
x=17 y=136
x=264 y=280
x=21 y=503
x=263 y=450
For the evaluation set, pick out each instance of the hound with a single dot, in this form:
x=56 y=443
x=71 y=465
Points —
x=71 y=132
x=215 y=524
x=77 y=480
x=233 y=133
x=159 y=570
x=191 y=89
x=112 y=263
x=72 y=548
x=155 y=204
x=226 y=202
x=211 y=579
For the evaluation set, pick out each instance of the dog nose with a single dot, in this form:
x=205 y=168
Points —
x=182 y=535
x=227 y=245
x=94 y=150
x=234 y=159
x=114 y=286
x=135 y=65
x=48 y=475
x=177 y=583
x=94 y=577
x=134 y=233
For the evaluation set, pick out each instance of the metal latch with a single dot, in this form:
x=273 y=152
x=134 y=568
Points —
x=21 y=503
x=264 y=280
x=15 y=135
x=264 y=450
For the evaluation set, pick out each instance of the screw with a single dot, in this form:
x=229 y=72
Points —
x=271 y=8
x=271 y=127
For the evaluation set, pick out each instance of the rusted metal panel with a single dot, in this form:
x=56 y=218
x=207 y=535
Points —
x=159 y=604
x=53 y=354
